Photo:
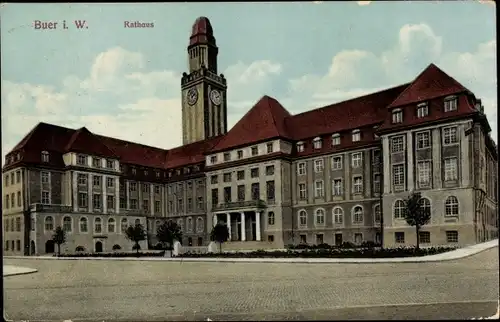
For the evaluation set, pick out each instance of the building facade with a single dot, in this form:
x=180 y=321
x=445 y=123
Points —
x=334 y=174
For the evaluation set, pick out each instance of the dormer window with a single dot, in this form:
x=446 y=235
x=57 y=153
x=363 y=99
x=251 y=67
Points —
x=397 y=116
x=110 y=164
x=356 y=136
x=134 y=171
x=255 y=151
x=146 y=173
x=157 y=174
x=170 y=174
x=300 y=146
x=227 y=156
x=213 y=159
x=45 y=156
x=450 y=103
x=240 y=154
x=335 y=139
x=317 y=143
x=196 y=168
x=375 y=135
x=178 y=172
x=422 y=110
x=18 y=156
x=81 y=160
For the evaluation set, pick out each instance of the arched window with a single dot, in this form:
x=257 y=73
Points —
x=157 y=224
x=357 y=215
x=376 y=213
x=137 y=222
x=338 y=216
x=98 y=225
x=45 y=156
x=425 y=204
x=49 y=223
x=451 y=206
x=111 y=225
x=320 y=217
x=199 y=224
x=302 y=218
x=124 y=225
x=67 y=224
x=270 y=218
x=399 y=209
x=189 y=224
x=84 y=225
x=180 y=223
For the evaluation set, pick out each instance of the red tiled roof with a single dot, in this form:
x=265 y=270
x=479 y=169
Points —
x=84 y=141
x=431 y=83
x=265 y=120
x=347 y=115
x=190 y=153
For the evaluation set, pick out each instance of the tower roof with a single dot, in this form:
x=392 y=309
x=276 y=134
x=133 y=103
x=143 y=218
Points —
x=202 y=32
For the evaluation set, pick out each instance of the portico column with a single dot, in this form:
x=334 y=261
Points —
x=243 y=235
x=257 y=225
x=228 y=223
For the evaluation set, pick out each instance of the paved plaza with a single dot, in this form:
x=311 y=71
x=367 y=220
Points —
x=133 y=290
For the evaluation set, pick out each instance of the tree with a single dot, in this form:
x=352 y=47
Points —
x=167 y=233
x=136 y=234
x=415 y=214
x=59 y=238
x=220 y=234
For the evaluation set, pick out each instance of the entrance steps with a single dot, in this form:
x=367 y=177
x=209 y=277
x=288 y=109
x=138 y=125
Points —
x=234 y=246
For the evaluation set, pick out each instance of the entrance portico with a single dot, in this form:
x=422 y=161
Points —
x=242 y=226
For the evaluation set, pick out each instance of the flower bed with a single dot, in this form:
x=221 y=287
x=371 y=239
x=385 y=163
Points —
x=331 y=253
x=130 y=254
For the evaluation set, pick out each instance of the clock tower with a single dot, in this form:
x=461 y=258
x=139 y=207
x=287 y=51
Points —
x=204 y=110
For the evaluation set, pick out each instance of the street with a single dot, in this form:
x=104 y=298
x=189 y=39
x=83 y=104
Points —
x=122 y=290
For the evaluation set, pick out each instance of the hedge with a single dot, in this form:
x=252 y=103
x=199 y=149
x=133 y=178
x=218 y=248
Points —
x=140 y=254
x=345 y=245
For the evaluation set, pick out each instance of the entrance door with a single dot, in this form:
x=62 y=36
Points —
x=254 y=231
x=238 y=230
x=377 y=238
x=49 y=247
x=338 y=239
x=98 y=247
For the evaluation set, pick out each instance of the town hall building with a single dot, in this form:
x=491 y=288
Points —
x=334 y=174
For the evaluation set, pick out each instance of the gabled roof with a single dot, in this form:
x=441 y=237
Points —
x=265 y=120
x=429 y=84
x=84 y=141
x=347 y=115
x=45 y=136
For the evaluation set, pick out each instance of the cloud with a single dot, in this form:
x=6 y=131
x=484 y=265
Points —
x=357 y=72
x=363 y=3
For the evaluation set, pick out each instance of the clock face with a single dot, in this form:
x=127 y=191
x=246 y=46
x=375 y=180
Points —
x=192 y=96
x=215 y=97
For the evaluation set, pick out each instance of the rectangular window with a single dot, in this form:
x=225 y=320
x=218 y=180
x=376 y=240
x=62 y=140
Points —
x=399 y=237
x=358 y=185
x=318 y=165
x=397 y=116
x=82 y=179
x=424 y=172
x=96 y=201
x=318 y=189
x=82 y=200
x=255 y=191
x=452 y=236
x=123 y=203
x=213 y=159
x=241 y=193
x=450 y=169
x=397 y=144
x=12 y=200
x=214 y=179
x=215 y=197
x=319 y=239
x=423 y=140
x=450 y=104
x=96 y=181
x=81 y=160
x=240 y=154
x=157 y=206
x=133 y=186
x=240 y=175
x=45 y=177
x=18 y=176
x=376 y=156
x=270 y=170
x=254 y=173
x=301 y=168
x=227 y=194
x=227 y=156
x=255 y=151
x=337 y=189
x=180 y=205
x=424 y=237
x=110 y=203
x=317 y=144
x=45 y=197
x=133 y=204
x=270 y=190
x=269 y=148
x=302 y=191
x=110 y=182
x=145 y=205
x=335 y=139
x=356 y=160
x=300 y=147
x=110 y=164
x=422 y=110
x=450 y=136
x=19 y=201
x=376 y=183
x=96 y=162
x=145 y=187
x=200 y=203
x=227 y=177
x=157 y=189
x=356 y=136
x=337 y=163
x=398 y=174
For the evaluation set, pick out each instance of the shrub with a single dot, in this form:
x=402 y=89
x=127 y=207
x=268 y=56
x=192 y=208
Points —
x=116 y=247
x=369 y=252
x=147 y=254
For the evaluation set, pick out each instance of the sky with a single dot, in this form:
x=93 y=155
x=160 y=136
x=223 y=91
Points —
x=125 y=83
